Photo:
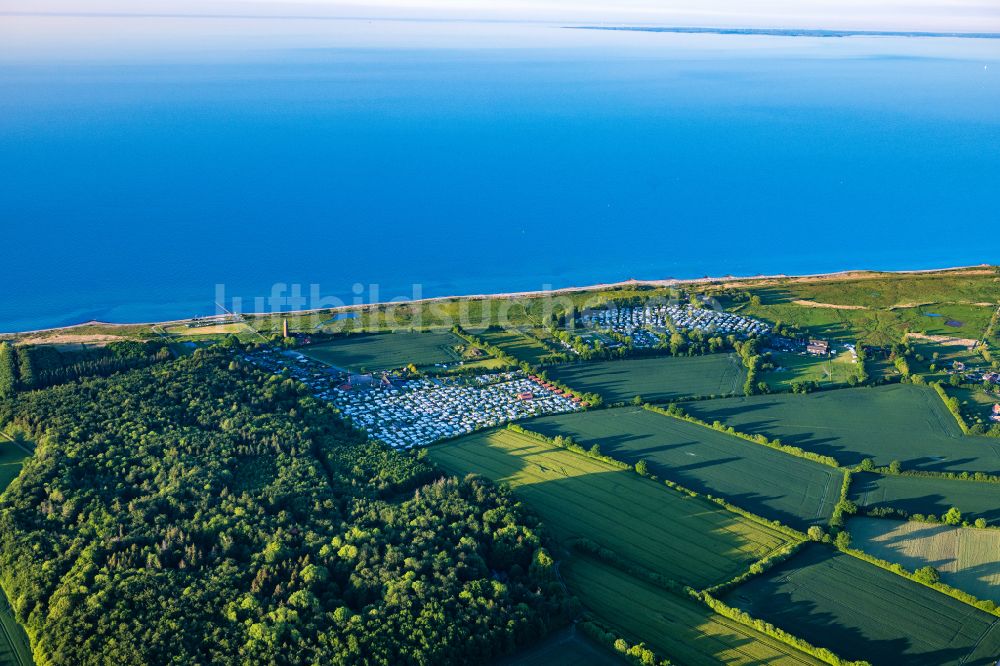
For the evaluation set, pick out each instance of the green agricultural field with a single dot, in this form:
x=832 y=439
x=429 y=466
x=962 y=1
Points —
x=928 y=496
x=679 y=628
x=569 y=647
x=761 y=480
x=655 y=379
x=826 y=371
x=966 y=558
x=520 y=346
x=388 y=351
x=684 y=538
x=860 y=611
x=896 y=422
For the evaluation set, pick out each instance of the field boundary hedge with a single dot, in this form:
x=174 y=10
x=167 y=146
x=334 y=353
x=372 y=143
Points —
x=606 y=637
x=951 y=404
x=570 y=445
x=674 y=411
x=769 y=629
x=844 y=505
x=591 y=549
x=757 y=568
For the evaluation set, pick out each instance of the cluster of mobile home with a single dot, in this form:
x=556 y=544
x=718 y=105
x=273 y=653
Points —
x=405 y=413
x=632 y=321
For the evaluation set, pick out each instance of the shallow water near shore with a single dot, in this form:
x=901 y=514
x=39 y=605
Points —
x=469 y=158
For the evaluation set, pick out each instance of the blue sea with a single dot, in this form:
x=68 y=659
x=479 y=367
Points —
x=149 y=179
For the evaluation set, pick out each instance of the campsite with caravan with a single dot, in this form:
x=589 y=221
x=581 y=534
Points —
x=726 y=471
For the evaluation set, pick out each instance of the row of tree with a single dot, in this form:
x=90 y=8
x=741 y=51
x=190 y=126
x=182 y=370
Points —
x=26 y=367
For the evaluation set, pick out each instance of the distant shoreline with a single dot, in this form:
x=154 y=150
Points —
x=538 y=293
x=791 y=32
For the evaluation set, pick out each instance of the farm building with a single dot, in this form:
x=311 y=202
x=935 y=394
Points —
x=818 y=347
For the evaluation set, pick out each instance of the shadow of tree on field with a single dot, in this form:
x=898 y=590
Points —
x=800 y=598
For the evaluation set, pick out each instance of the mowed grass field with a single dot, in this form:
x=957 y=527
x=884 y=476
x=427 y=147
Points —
x=807 y=368
x=896 y=422
x=761 y=480
x=387 y=351
x=517 y=344
x=860 y=611
x=686 y=539
x=966 y=558
x=680 y=628
x=655 y=379
x=927 y=495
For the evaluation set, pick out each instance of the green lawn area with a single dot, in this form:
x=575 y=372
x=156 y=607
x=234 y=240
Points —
x=860 y=611
x=976 y=404
x=520 y=346
x=655 y=379
x=679 y=628
x=826 y=371
x=388 y=351
x=928 y=496
x=568 y=647
x=761 y=480
x=683 y=538
x=895 y=422
x=966 y=558
x=946 y=356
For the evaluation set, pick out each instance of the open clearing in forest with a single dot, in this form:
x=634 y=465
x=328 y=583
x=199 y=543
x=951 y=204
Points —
x=375 y=352
x=655 y=379
x=896 y=422
x=673 y=626
x=967 y=558
x=683 y=538
x=929 y=496
x=759 y=479
x=861 y=611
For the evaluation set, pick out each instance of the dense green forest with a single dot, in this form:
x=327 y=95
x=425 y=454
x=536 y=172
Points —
x=201 y=511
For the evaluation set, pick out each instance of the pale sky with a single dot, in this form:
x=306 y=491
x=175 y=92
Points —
x=926 y=15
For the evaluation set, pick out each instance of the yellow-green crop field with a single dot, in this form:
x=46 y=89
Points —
x=683 y=538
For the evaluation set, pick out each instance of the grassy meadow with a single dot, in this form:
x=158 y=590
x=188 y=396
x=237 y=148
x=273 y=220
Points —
x=879 y=309
x=761 y=480
x=519 y=345
x=895 y=422
x=966 y=558
x=928 y=496
x=680 y=628
x=388 y=351
x=683 y=538
x=654 y=379
x=861 y=611
x=792 y=367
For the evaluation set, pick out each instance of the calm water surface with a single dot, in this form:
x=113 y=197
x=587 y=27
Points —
x=473 y=158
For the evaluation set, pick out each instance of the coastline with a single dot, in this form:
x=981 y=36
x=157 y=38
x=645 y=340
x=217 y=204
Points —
x=725 y=280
